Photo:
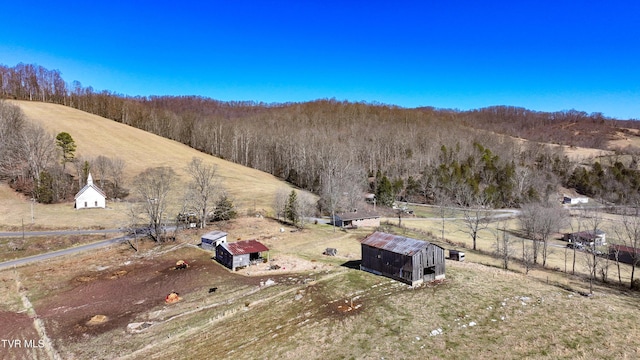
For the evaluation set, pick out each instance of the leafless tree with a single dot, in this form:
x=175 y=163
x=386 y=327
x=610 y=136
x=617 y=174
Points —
x=280 y=201
x=593 y=220
x=539 y=221
x=116 y=170
x=443 y=210
x=504 y=246
x=202 y=187
x=527 y=255
x=307 y=206
x=100 y=167
x=628 y=233
x=12 y=127
x=39 y=151
x=476 y=219
x=154 y=185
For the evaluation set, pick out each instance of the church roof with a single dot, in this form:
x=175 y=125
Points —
x=90 y=185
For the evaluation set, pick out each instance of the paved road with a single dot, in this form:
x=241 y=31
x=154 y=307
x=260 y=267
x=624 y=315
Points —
x=63 y=252
x=58 y=232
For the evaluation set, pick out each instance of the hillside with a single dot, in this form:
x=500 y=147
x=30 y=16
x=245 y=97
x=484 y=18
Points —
x=95 y=136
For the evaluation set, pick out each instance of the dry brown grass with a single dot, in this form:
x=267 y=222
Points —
x=250 y=189
x=481 y=310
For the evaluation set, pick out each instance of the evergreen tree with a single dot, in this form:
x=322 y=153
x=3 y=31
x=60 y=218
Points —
x=68 y=146
x=44 y=192
x=291 y=210
x=224 y=209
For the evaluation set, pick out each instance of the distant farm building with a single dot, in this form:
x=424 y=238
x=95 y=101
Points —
x=212 y=239
x=574 y=200
x=587 y=238
x=356 y=219
x=240 y=253
x=404 y=259
x=90 y=196
x=624 y=254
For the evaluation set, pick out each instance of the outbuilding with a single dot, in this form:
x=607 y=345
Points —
x=212 y=239
x=240 y=253
x=356 y=219
x=90 y=196
x=401 y=258
x=587 y=238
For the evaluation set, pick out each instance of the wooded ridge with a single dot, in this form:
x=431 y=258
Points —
x=341 y=149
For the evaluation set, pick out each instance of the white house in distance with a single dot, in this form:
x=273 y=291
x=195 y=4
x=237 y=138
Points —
x=90 y=196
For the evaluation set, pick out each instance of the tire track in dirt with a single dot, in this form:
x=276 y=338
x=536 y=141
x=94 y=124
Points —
x=37 y=322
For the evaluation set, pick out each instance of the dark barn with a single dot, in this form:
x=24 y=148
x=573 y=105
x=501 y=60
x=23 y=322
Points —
x=240 y=253
x=404 y=259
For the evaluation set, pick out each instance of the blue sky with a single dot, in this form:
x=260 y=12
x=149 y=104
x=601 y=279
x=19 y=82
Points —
x=542 y=55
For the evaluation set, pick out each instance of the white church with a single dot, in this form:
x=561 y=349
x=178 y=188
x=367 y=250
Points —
x=90 y=196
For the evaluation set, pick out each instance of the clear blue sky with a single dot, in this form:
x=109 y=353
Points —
x=542 y=55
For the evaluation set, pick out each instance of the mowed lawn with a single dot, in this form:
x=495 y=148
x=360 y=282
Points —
x=94 y=136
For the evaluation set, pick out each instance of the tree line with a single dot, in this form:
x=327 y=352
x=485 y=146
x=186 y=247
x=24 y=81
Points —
x=340 y=149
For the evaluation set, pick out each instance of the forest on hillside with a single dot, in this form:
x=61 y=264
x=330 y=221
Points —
x=341 y=150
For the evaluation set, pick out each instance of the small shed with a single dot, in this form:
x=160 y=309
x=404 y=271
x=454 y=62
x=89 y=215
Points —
x=356 y=219
x=240 y=253
x=212 y=239
x=456 y=255
x=90 y=196
x=401 y=258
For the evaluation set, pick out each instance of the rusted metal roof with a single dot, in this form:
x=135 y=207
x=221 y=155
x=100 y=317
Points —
x=395 y=243
x=245 y=247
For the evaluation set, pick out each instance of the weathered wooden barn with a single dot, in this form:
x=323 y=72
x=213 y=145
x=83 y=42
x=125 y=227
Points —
x=240 y=253
x=356 y=219
x=212 y=239
x=401 y=258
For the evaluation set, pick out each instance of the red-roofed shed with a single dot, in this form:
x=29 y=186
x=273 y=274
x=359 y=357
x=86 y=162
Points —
x=240 y=253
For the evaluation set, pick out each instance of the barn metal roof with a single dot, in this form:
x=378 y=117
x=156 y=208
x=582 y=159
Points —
x=395 y=243
x=245 y=247
x=214 y=235
x=357 y=215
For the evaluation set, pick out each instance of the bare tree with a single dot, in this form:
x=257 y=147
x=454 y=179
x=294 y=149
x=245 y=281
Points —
x=552 y=217
x=101 y=166
x=154 y=185
x=116 y=170
x=12 y=127
x=593 y=220
x=307 y=206
x=504 y=246
x=202 y=187
x=280 y=201
x=476 y=219
x=443 y=210
x=38 y=150
x=527 y=255
x=628 y=233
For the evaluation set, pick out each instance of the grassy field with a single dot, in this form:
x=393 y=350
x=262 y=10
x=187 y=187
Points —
x=250 y=189
x=319 y=307
x=328 y=309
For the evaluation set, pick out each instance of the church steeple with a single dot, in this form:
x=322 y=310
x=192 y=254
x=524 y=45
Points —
x=89 y=180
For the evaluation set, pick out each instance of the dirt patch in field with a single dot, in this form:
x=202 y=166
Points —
x=110 y=298
x=18 y=329
x=120 y=294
